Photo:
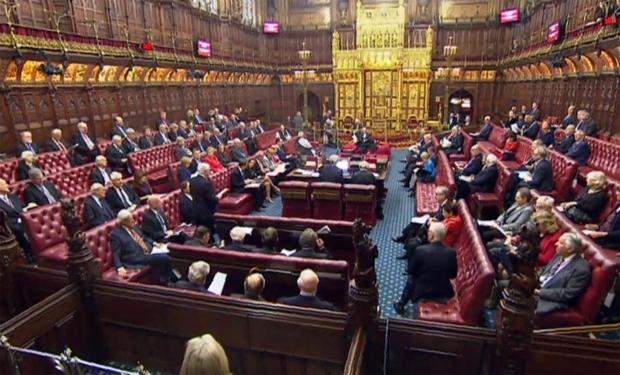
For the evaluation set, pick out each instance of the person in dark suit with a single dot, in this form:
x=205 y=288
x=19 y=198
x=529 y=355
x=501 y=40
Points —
x=429 y=271
x=131 y=143
x=483 y=181
x=245 y=174
x=200 y=143
x=196 y=277
x=185 y=173
x=238 y=152
x=180 y=149
x=329 y=172
x=580 y=150
x=116 y=155
x=162 y=137
x=218 y=138
x=253 y=287
x=565 y=278
x=120 y=196
x=607 y=235
x=24 y=166
x=85 y=150
x=442 y=195
x=56 y=143
x=202 y=237
x=453 y=143
x=183 y=129
x=284 y=134
x=243 y=133
x=269 y=240
x=96 y=209
x=163 y=119
x=311 y=246
x=475 y=164
x=586 y=124
x=101 y=173
x=41 y=192
x=568 y=141
x=13 y=208
x=546 y=134
x=308 y=283
x=146 y=141
x=186 y=204
x=531 y=127
x=365 y=142
x=363 y=177
x=131 y=249
x=542 y=171
x=156 y=225
x=26 y=144
x=590 y=202
x=204 y=197
x=570 y=118
x=237 y=235
x=173 y=132
x=485 y=131
x=119 y=129
x=535 y=112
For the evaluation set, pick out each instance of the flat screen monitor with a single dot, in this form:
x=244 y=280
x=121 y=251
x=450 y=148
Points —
x=271 y=27
x=203 y=48
x=510 y=15
x=555 y=32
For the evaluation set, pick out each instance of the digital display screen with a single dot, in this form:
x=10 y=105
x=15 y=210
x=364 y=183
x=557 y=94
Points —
x=271 y=27
x=510 y=15
x=555 y=32
x=203 y=48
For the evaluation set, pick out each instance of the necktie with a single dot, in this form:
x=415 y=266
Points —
x=120 y=128
x=139 y=240
x=166 y=140
x=61 y=146
x=30 y=147
x=124 y=197
x=6 y=200
x=549 y=275
x=88 y=142
x=48 y=195
x=104 y=174
x=161 y=220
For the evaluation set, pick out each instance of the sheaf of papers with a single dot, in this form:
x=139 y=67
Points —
x=288 y=253
x=324 y=230
x=217 y=285
x=525 y=176
x=420 y=219
x=161 y=249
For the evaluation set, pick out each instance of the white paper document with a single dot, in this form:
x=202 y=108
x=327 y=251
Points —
x=525 y=176
x=217 y=285
x=420 y=219
x=487 y=223
x=324 y=230
x=247 y=230
x=288 y=253
x=465 y=178
x=161 y=249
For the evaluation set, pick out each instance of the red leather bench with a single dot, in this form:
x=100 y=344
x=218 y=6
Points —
x=523 y=154
x=266 y=139
x=338 y=240
x=290 y=146
x=296 y=200
x=465 y=155
x=425 y=191
x=360 y=201
x=173 y=175
x=74 y=181
x=604 y=266
x=8 y=170
x=473 y=281
x=280 y=271
x=327 y=200
x=154 y=161
x=564 y=173
x=53 y=162
x=496 y=140
x=604 y=156
x=478 y=201
x=239 y=204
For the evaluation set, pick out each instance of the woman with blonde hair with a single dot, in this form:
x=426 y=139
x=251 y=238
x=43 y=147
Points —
x=204 y=356
x=590 y=202
x=550 y=233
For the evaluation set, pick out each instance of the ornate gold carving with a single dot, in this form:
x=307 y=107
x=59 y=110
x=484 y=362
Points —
x=382 y=78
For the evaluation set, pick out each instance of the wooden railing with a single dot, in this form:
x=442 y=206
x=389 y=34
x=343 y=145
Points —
x=355 y=359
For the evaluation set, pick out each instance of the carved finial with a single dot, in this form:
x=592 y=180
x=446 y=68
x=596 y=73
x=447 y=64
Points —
x=363 y=291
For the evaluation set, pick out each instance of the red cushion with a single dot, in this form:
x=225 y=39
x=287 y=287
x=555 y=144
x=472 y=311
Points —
x=327 y=200
x=241 y=204
x=360 y=201
x=296 y=199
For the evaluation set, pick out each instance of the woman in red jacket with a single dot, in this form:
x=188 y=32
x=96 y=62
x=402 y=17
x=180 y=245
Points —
x=550 y=231
x=453 y=223
x=510 y=147
x=212 y=160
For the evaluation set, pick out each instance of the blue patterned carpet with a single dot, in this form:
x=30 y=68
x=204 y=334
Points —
x=398 y=210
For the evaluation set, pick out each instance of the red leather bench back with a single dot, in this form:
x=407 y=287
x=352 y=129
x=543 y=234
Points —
x=98 y=241
x=327 y=200
x=498 y=136
x=604 y=156
x=564 y=171
x=44 y=227
x=8 y=169
x=445 y=176
x=173 y=175
x=360 y=201
x=296 y=199
x=468 y=141
x=290 y=146
x=524 y=152
x=475 y=271
x=53 y=162
x=170 y=203
x=266 y=139
x=74 y=181
x=153 y=159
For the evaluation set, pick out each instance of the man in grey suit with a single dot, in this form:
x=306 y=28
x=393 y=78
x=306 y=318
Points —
x=565 y=277
x=513 y=219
